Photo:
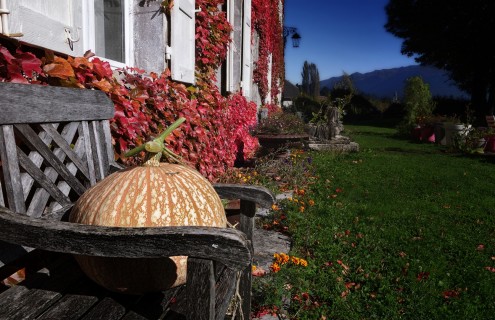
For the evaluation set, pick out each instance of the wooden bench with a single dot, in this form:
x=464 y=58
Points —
x=55 y=143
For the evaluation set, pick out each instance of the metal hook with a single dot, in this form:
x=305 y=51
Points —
x=70 y=39
x=68 y=34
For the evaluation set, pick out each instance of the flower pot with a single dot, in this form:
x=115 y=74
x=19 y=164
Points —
x=490 y=144
x=452 y=130
x=427 y=134
x=274 y=142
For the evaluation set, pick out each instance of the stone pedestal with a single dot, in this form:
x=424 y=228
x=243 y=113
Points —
x=338 y=144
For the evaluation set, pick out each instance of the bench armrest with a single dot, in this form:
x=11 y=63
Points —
x=225 y=245
x=257 y=194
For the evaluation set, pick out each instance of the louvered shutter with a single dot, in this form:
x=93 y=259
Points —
x=246 y=51
x=47 y=23
x=183 y=41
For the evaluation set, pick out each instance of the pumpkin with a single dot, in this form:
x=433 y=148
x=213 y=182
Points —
x=152 y=195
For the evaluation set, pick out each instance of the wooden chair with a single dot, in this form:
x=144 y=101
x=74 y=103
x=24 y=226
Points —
x=490 y=121
x=55 y=143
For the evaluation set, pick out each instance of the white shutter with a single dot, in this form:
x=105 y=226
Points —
x=49 y=24
x=231 y=51
x=246 y=51
x=183 y=41
x=268 y=98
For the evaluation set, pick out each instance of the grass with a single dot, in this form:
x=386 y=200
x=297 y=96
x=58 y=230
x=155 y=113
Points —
x=400 y=230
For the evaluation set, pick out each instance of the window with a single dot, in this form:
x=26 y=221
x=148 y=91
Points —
x=108 y=29
x=109 y=26
x=238 y=70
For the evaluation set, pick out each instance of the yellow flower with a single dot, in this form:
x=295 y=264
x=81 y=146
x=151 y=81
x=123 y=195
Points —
x=295 y=260
x=253 y=268
x=275 y=207
x=284 y=257
x=275 y=267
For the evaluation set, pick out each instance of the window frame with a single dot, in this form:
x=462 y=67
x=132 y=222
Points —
x=89 y=38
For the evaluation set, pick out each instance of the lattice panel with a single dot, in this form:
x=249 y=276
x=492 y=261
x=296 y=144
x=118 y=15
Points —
x=49 y=165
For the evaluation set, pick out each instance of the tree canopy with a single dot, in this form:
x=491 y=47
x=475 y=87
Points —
x=453 y=35
x=310 y=80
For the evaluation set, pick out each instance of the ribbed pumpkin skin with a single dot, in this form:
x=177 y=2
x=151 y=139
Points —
x=146 y=196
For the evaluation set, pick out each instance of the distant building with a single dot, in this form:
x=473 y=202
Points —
x=289 y=93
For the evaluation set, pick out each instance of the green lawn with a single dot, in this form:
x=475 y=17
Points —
x=400 y=230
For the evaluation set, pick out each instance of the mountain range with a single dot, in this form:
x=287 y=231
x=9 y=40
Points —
x=389 y=83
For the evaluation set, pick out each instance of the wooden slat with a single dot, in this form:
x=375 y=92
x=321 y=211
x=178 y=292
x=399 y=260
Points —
x=74 y=304
x=98 y=156
x=10 y=167
x=107 y=309
x=30 y=103
x=107 y=141
x=41 y=196
x=38 y=291
x=84 y=132
x=260 y=195
x=32 y=139
x=248 y=211
x=225 y=290
x=225 y=245
x=40 y=178
x=200 y=288
x=66 y=148
x=37 y=160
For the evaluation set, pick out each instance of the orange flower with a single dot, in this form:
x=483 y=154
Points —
x=301 y=209
x=275 y=207
x=311 y=202
x=295 y=260
x=275 y=267
x=303 y=262
x=284 y=257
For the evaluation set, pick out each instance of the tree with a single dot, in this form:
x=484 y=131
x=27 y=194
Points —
x=344 y=87
x=453 y=35
x=310 y=80
x=305 y=78
x=418 y=102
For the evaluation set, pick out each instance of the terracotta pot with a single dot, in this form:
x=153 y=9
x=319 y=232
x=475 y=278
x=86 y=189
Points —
x=428 y=134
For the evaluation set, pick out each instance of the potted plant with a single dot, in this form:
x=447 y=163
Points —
x=280 y=129
x=473 y=140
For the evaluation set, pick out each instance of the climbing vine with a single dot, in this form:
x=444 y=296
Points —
x=215 y=127
x=268 y=25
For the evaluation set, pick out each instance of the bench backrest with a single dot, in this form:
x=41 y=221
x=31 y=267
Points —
x=490 y=120
x=55 y=142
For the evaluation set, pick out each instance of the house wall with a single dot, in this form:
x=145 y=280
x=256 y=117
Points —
x=150 y=31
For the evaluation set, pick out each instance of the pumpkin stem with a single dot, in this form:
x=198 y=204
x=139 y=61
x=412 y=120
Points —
x=156 y=147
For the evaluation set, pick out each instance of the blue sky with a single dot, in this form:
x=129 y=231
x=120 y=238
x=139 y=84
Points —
x=341 y=36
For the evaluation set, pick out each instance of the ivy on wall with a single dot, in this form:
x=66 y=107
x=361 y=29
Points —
x=268 y=24
x=215 y=125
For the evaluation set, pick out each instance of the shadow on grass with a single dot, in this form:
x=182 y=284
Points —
x=410 y=151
